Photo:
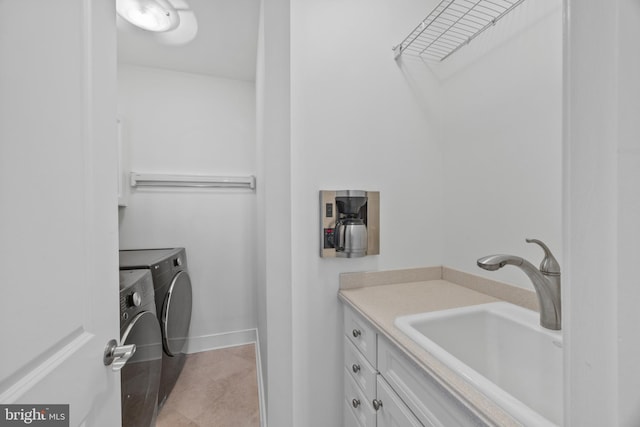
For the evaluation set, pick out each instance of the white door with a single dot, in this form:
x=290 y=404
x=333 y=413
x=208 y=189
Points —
x=58 y=214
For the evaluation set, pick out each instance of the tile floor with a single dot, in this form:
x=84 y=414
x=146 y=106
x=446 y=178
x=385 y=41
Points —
x=216 y=388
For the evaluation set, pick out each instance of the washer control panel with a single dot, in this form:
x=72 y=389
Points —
x=136 y=294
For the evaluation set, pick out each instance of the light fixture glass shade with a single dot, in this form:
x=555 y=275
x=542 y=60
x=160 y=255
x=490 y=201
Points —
x=150 y=15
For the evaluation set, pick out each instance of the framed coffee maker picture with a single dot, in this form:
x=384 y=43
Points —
x=349 y=223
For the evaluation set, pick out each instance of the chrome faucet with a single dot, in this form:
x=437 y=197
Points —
x=546 y=281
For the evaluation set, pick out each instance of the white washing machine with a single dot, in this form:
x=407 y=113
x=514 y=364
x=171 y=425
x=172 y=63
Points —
x=140 y=376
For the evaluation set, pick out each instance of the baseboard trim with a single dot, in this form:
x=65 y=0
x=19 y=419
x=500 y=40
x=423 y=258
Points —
x=222 y=340
x=261 y=397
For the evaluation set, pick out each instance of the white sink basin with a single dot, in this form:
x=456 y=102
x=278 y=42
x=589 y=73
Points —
x=502 y=350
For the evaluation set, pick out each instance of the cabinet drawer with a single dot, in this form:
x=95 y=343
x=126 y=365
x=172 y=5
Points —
x=431 y=403
x=393 y=411
x=349 y=417
x=361 y=334
x=356 y=404
x=360 y=369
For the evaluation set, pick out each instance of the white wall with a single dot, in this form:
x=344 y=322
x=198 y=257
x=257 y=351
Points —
x=501 y=115
x=426 y=137
x=356 y=124
x=195 y=124
x=629 y=212
x=274 y=211
x=338 y=77
x=260 y=249
x=602 y=207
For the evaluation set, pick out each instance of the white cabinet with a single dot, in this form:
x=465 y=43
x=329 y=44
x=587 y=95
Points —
x=360 y=370
x=384 y=388
x=361 y=334
x=350 y=417
x=368 y=399
x=393 y=412
x=357 y=404
x=429 y=401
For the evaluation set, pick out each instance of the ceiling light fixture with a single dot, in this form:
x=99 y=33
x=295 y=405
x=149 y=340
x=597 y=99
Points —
x=150 y=15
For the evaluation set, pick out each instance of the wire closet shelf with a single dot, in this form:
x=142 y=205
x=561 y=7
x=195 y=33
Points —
x=452 y=25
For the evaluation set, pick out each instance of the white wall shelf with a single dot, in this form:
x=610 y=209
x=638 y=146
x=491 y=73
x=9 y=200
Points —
x=160 y=180
x=452 y=25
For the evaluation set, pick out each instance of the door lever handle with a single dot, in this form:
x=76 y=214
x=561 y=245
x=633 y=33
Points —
x=117 y=355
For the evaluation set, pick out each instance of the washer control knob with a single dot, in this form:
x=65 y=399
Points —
x=177 y=262
x=135 y=299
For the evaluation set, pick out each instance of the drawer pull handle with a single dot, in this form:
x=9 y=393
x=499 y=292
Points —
x=377 y=404
x=355 y=403
x=355 y=368
x=356 y=333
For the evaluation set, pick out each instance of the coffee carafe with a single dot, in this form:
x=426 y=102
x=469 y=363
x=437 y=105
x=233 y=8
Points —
x=351 y=232
x=344 y=223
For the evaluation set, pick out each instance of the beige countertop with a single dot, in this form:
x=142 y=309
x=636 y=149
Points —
x=380 y=304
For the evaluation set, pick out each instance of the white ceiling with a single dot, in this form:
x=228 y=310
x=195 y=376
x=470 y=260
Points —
x=225 y=44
